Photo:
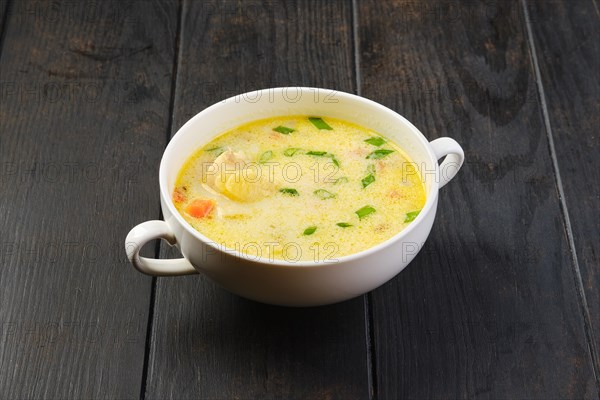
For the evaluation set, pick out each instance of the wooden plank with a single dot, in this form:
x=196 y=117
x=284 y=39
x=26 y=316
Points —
x=84 y=113
x=489 y=309
x=566 y=37
x=3 y=17
x=207 y=343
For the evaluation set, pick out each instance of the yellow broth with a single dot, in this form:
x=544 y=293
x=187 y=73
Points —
x=327 y=189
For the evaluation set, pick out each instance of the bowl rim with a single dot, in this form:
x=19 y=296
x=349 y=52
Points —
x=430 y=201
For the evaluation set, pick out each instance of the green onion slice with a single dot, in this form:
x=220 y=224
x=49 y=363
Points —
x=289 y=191
x=410 y=216
x=343 y=224
x=284 y=130
x=363 y=212
x=266 y=156
x=319 y=123
x=377 y=154
x=367 y=180
x=291 y=151
x=376 y=141
x=324 y=194
x=324 y=154
x=217 y=151
x=310 y=230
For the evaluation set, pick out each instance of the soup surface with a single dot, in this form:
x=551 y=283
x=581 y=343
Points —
x=299 y=188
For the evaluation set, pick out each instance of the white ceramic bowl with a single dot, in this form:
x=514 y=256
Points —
x=303 y=283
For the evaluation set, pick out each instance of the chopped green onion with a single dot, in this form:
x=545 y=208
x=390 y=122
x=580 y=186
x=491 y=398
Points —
x=324 y=154
x=343 y=224
x=363 y=212
x=376 y=141
x=310 y=230
x=377 y=154
x=284 y=130
x=343 y=179
x=319 y=123
x=324 y=194
x=410 y=216
x=217 y=151
x=367 y=180
x=290 y=191
x=266 y=156
x=291 y=151
x=370 y=178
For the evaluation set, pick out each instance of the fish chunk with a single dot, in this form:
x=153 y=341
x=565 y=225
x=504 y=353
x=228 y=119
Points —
x=233 y=175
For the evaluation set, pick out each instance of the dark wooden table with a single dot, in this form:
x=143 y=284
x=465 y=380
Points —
x=502 y=303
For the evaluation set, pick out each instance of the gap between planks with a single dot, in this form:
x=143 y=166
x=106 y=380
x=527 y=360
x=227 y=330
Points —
x=3 y=24
x=367 y=300
x=150 y=324
x=563 y=202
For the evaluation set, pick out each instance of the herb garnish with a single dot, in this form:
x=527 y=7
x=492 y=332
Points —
x=289 y=191
x=266 y=156
x=324 y=194
x=324 y=154
x=291 y=151
x=370 y=178
x=363 y=212
x=284 y=130
x=217 y=151
x=377 y=154
x=367 y=180
x=376 y=141
x=410 y=216
x=310 y=230
x=319 y=123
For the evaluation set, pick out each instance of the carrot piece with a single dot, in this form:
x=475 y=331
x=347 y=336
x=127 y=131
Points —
x=200 y=208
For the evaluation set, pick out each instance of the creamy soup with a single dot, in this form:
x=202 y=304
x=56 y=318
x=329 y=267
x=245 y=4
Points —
x=299 y=188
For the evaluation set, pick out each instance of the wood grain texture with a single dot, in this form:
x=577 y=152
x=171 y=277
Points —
x=566 y=35
x=489 y=309
x=3 y=17
x=207 y=343
x=84 y=113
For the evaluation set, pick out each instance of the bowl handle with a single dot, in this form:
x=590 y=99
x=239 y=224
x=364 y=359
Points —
x=455 y=156
x=142 y=234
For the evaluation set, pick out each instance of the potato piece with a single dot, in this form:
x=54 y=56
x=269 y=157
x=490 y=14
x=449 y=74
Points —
x=245 y=186
x=233 y=176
